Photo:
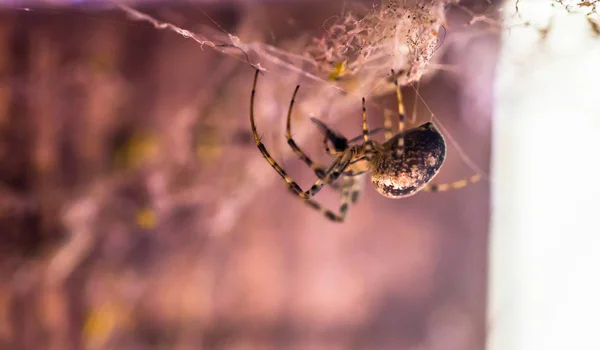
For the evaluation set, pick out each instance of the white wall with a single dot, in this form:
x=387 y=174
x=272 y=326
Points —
x=545 y=246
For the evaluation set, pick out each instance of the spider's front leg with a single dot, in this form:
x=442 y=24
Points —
x=335 y=170
x=349 y=195
x=319 y=171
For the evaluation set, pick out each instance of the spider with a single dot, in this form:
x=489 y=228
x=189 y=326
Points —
x=400 y=167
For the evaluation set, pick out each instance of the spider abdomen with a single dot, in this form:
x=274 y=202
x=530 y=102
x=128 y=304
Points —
x=424 y=154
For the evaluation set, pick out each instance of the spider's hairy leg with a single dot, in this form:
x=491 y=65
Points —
x=387 y=124
x=337 y=168
x=371 y=132
x=261 y=147
x=355 y=190
x=319 y=171
x=365 y=128
x=399 y=150
x=288 y=134
x=452 y=185
x=369 y=146
x=348 y=184
x=333 y=172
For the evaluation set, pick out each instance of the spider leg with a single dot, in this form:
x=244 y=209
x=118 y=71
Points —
x=288 y=134
x=339 y=164
x=387 y=124
x=365 y=128
x=356 y=187
x=339 y=142
x=319 y=171
x=371 y=132
x=452 y=185
x=348 y=186
x=334 y=171
x=399 y=150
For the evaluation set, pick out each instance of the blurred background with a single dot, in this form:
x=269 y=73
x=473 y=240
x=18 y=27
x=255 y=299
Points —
x=137 y=213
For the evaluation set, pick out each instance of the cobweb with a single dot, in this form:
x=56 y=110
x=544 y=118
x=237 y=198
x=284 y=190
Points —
x=357 y=51
x=354 y=55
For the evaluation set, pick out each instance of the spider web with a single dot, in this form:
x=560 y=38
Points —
x=354 y=55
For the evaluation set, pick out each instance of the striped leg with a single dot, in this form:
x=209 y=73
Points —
x=452 y=185
x=365 y=128
x=339 y=164
x=350 y=191
x=356 y=188
x=399 y=150
x=387 y=124
x=340 y=143
x=371 y=132
x=319 y=171
x=348 y=185
x=336 y=168
x=288 y=134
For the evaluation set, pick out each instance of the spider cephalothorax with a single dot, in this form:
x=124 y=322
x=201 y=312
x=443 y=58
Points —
x=400 y=167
